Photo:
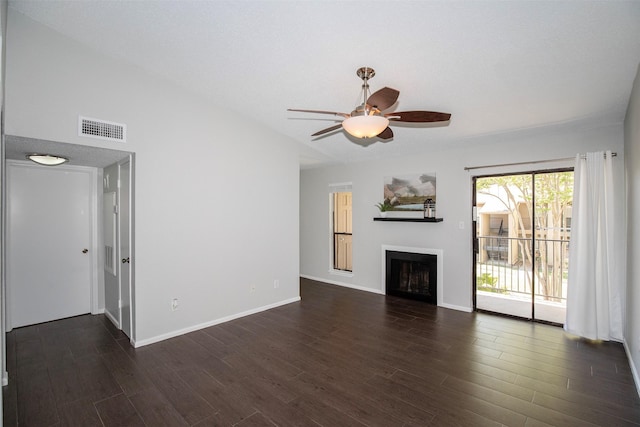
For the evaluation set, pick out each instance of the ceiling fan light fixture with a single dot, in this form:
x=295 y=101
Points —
x=365 y=126
x=47 y=159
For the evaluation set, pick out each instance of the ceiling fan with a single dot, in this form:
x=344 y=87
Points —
x=368 y=120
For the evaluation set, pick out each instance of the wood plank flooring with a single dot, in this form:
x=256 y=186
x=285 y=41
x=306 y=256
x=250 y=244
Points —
x=339 y=357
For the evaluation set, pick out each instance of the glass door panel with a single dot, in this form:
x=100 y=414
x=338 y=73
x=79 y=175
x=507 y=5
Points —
x=504 y=257
x=553 y=200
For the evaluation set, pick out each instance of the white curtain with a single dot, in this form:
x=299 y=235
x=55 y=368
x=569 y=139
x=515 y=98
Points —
x=594 y=287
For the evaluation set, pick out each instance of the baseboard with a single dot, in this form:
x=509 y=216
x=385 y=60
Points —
x=634 y=370
x=5 y=378
x=197 y=327
x=456 y=307
x=113 y=319
x=378 y=291
x=346 y=285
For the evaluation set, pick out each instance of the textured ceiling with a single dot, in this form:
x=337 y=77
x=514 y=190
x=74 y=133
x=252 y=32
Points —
x=497 y=66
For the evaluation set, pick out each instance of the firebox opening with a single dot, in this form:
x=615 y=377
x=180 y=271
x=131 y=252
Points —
x=412 y=275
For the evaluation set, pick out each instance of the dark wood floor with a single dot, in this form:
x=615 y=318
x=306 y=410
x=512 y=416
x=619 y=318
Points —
x=338 y=358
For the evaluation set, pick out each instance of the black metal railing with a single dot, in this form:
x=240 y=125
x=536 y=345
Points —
x=510 y=265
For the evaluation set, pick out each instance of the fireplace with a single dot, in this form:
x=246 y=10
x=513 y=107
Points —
x=412 y=275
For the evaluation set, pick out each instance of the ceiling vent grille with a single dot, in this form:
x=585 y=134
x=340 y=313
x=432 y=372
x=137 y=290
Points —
x=101 y=129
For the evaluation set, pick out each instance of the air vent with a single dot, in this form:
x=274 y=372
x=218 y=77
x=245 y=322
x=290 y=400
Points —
x=94 y=128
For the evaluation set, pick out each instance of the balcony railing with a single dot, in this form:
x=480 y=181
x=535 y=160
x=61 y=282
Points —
x=510 y=266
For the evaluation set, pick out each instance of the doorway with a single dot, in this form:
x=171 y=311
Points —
x=342 y=231
x=117 y=244
x=90 y=158
x=50 y=245
x=521 y=243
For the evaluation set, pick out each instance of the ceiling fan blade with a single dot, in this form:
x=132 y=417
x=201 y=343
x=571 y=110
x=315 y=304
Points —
x=386 y=134
x=384 y=98
x=418 y=116
x=327 y=130
x=320 y=112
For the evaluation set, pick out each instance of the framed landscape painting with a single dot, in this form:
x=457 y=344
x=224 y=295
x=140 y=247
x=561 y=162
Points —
x=409 y=192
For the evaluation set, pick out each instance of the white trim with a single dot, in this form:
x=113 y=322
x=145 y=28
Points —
x=5 y=378
x=343 y=284
x=109 y=316
x=330 y=236
x=634 y=370
x=344 y=187
x=97 y=267
x=193 y=328
x=456 y=307
x=440 y=264
x=342 y=273
x=129 y=161
x=340 y=187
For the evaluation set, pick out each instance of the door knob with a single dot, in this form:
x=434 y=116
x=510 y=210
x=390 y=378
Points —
x=85 y=250
x=125 y=260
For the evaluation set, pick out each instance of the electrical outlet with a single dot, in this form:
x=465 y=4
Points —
x=174 y=304
x=252 y=289
x=461 y=225
x=276 y=284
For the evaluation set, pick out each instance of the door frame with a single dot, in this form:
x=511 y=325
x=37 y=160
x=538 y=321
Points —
x=114 y=302
x=343 y=187
x=474 y=234
x=129 y=225
x=476 y=244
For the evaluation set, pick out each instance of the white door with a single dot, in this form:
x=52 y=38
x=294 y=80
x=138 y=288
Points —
x=49 y=229
x=125 y=290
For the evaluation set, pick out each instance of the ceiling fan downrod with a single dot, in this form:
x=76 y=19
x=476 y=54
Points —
x=365 y=73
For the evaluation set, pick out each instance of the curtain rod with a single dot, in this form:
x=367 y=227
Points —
x=468 y=168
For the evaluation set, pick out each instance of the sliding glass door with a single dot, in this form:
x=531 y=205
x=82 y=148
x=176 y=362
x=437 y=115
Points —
x=522 y=243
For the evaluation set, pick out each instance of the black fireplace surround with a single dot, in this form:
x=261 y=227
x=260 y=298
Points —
x=412 y=275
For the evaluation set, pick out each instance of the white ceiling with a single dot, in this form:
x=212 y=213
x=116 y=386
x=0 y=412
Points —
x=496 y=66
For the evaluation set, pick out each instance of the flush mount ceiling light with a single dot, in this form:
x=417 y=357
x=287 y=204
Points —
x=47 y=159
x=368 y=119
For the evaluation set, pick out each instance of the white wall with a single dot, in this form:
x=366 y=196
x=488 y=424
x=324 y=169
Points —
x=632 y=159
x=214 y=192
x=454 y=201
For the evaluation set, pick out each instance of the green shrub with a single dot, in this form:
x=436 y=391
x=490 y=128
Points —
x=486 y=282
